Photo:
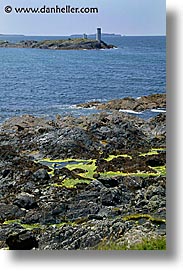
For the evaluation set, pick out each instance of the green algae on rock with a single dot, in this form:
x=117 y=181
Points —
x=86 y=169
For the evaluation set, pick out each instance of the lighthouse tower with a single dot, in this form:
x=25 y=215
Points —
x=99 y=34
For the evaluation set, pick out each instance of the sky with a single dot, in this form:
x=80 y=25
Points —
x=126 y=17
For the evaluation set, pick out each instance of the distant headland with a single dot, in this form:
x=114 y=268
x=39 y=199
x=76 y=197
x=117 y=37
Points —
x=1 y=34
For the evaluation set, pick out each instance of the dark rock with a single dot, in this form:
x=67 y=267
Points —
x=7 y=229
x=32 y=217
x=25 y=200
x=10 y=212
x=80 y=209
x=41 y=174
x=65 y=172
x=95 y=217
x=47 y=218
x=110 y=197
x=109 y=182
x=6 y=172
x=60 y=209
x=23 y=240
x=156 y=160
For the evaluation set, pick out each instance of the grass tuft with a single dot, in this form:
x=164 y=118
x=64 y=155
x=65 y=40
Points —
x=158 y=243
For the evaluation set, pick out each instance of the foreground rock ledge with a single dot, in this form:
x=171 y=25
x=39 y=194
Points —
x=38 y=210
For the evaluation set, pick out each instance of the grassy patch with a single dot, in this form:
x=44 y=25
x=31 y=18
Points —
x=146 y=216
x=37 y=225
x=11 y=221
x=158 y=243
x=25 y=226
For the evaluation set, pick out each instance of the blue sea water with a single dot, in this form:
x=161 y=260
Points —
x=50 y=82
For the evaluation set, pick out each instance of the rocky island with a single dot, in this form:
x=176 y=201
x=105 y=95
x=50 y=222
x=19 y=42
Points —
x=92 y=182
x=67 y=44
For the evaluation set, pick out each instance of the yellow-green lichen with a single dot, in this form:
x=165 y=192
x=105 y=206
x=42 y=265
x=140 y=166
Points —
x=111 y=157
x=71 y=164
x=161 y=170
x=158 y=171
x=11 y=221
x=153 y=151
x=90 y=168
x=70 y=183
x=87 y=169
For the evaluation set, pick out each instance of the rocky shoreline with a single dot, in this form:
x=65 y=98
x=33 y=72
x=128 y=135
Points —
x=155 y=101
x=76 y=183
x=69 y=44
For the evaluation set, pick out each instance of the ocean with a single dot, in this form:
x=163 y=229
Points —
x=50 y=82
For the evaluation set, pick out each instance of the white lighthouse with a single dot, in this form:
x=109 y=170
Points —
x=99 y=34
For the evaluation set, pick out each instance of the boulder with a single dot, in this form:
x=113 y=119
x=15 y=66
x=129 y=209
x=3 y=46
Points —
x=10 y=212
x=24 y=240
x=41 y=174
x=110 y=197
x=25 y=200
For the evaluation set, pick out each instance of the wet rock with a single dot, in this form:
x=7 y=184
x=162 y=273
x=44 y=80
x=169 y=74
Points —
x=89 y=104
x=139 y=104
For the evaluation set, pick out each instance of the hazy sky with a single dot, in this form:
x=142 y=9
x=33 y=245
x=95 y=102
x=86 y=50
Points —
x=129 y=17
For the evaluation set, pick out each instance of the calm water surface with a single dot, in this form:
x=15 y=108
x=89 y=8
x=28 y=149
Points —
x=48 y=82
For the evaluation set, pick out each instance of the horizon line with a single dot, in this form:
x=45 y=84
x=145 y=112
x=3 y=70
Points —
x=114 y=34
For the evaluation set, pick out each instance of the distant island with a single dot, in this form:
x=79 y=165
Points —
x=93 y=35
x=65 y=44
x=11 y=35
